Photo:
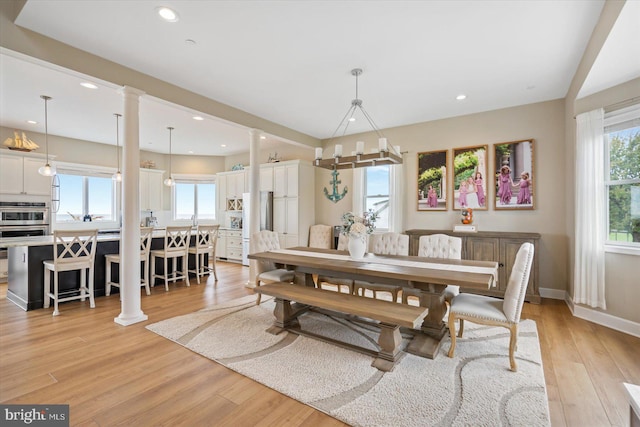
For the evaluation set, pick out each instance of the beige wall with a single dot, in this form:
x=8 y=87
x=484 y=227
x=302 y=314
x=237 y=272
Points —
x=542 y=122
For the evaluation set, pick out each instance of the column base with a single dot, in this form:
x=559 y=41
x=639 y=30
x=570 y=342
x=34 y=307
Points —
x=130 y=320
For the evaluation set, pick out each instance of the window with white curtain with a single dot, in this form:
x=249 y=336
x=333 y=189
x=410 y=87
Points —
x=622 y=176
x=194 y=199
x=380 y=188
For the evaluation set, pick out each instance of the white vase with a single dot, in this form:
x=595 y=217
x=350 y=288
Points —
x=357 y=245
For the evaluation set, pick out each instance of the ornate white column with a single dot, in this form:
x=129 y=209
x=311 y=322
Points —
x=254 y=189
x=130 y=234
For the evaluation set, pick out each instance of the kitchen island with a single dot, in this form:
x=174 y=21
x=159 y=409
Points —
x=26 y=272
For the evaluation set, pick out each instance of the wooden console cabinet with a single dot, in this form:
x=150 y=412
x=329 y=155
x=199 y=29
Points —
x=491 y=246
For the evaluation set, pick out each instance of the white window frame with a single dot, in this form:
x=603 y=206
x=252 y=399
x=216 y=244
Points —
x=395 y=197
x=193 y=179
x=63 y=168
x=612 y=118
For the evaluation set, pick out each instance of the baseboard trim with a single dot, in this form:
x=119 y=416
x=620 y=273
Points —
x=604 y=319
x=553 y=293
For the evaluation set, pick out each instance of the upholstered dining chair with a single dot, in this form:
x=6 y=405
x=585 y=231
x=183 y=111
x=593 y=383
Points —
x=494 y=311
x=321 y=236
x=206 y=238
x=145 y=247
x=267 y=272
x=384 y=244
x=176 y=246
x=72 y=250
x=437 y=246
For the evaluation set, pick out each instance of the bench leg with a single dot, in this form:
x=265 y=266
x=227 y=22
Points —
x=286 y=317
x=389 y=341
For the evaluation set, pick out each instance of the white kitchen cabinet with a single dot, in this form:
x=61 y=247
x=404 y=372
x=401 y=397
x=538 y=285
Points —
x=234 y=245
x=285 y=220
x=19 y=174
x=285 y=180
x=236 y=184
x=151 y=189
x=221 y=245
x=266 y=178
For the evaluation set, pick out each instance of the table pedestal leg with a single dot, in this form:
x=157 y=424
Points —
x=286 y=316
x=389 y=341
x=426 y=343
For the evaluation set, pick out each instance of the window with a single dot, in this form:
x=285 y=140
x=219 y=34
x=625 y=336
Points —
x=85 y=195
x=622 y=175
x=194 y=200
x=376 y=194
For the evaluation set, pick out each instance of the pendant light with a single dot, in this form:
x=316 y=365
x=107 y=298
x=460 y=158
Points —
x=117 y=176
x=169 y=182
x=47 y=169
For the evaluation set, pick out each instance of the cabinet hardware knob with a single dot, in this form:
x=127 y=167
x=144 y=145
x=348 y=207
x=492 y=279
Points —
x=500 y=264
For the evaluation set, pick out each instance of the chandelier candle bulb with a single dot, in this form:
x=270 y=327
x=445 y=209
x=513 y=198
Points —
x=318 y=153
x=382 y=144
x=359 y=147
x=338 y=151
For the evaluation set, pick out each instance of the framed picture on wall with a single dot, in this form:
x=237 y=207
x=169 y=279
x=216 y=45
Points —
x=470 y=177
x=432 y=181
x=514 y=175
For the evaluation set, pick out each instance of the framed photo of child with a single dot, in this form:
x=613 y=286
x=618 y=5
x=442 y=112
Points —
x=432 y=181
x=514 y=185
x=469 y=177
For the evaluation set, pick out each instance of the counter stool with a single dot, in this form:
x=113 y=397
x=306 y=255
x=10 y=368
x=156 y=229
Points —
x=72 y=250
x=176 y=245
x=145 y=246
x=206 y=238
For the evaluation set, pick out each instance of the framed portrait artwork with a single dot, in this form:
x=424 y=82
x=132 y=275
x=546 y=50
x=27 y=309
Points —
x=470 y=177
x=432 y=181
x=514 y=175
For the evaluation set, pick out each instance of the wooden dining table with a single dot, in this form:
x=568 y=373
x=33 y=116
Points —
x=430 y=276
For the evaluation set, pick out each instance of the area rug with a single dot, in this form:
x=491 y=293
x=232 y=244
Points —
x=473 y=388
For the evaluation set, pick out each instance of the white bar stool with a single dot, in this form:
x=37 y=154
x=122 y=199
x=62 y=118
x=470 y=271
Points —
x=145 y=247
x=206 y=238
x=176 y=245
x=72 y=250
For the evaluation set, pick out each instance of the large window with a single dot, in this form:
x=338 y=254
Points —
x=376 y=194
x=622 y=179
x=83 y=197
x=194 y=200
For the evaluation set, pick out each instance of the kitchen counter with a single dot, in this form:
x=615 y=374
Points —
x=26 y=271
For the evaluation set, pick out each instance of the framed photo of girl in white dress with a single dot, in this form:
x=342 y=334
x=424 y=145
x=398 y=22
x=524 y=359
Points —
x=514 y=175
x=432 y=181
x=469 y=177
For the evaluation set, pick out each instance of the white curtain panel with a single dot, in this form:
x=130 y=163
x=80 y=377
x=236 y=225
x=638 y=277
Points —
x=590 y=217
x=396 y=198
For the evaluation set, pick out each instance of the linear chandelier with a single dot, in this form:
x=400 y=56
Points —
x=385 y=154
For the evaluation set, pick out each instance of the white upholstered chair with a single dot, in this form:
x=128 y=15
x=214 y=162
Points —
x=72 y=250
x=494 y=311
x=206 y=238
x=321 y=236
x=176 y=245
x=267 y=272
x=384 y=244
x=438 y=246
x=145 y=247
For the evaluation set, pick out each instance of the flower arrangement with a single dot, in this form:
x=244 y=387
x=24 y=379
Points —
x=362 y=224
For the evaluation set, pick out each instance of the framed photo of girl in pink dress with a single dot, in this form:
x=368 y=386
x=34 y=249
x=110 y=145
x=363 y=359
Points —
x=514 y=175
x=469 y=178
x=432 y=181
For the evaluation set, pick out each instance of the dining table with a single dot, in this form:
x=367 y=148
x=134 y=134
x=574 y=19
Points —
x=430 y=276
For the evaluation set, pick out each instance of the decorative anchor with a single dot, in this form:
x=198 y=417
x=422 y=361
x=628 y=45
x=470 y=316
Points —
x=335 y=197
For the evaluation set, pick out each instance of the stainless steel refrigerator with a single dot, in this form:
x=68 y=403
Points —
x=266 y=219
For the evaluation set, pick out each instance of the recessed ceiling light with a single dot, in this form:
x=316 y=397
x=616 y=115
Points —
x=32 y=122
x=88 y=85
x=190 y=151
x=167 y=14
x=461 y=97
x=352 y=119
x=198 y=118
x=263 y=137
x=223 y=145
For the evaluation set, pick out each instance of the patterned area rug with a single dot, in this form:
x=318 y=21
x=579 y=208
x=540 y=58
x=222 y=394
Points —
x=474 y=388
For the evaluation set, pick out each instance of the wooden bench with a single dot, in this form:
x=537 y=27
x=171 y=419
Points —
x=389 y=315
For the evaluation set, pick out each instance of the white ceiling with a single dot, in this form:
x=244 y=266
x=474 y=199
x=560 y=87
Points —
x=290 y=62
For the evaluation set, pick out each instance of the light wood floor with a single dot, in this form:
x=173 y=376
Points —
x=115 y=375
